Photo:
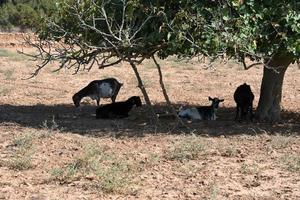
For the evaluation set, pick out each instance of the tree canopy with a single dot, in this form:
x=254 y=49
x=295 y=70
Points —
x=235 y=29
x=255 y=29
x=85 y=33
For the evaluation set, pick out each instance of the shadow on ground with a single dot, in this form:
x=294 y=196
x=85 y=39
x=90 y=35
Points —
x=70 y=119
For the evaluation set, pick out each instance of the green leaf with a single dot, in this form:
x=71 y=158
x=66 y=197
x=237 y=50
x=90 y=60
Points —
x=226 y=18
x=169 y=36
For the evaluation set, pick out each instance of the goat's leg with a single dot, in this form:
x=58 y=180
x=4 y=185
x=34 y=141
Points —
x=98 y=101
x=243 y=114
x=113 y=98
x=214 y=117
x=237 y=112
x=251 y=112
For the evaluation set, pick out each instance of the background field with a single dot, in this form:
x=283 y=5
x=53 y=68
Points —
x=50 y=150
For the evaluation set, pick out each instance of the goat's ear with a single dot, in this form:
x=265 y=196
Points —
x=209 y=98
x=221 y=100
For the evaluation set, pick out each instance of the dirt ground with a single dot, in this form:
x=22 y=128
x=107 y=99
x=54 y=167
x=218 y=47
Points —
x=50 y=150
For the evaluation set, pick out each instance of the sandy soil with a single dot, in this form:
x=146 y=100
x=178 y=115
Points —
x=50 y=150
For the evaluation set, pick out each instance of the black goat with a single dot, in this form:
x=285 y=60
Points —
x=118 y=109
x=106 y=88
x=243 y=97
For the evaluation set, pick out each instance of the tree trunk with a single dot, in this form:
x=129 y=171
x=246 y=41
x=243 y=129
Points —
x=144 y=92
x=162 y=85
x=269 y=105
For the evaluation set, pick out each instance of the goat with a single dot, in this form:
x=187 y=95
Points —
x=201 y=112
x=243 y=97
x=106 y=88
x=118 y=109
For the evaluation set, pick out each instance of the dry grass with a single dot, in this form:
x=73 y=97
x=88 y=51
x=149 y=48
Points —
x=110 y=172
x=8 y=74
x=21 y=156
x=281 y=141
x=290 y=162
x=5 y=91
x=12 y=55
x=50 y=150
x=188 y=148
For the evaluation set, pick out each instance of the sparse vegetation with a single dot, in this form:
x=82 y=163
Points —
x=115 y=177
x=49 y=127
x=290 y=162
x=227 y=149
x=4 y=91
x=111 y=172
x=83 y=164
x=148 y=83
x=6 y=53
x=214 y=190
x=56 y=173
x=187 y=149
x=249 y=168
x=75 y=156
x=187 y=168
x=21 y=158
x=23 y=141
x=8 y=74
x=12 y=55
x=281 y=141
x=230 y=151
x=153 y=159
x=20 y=161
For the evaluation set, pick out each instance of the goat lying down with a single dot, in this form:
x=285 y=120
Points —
x=118 y=109
x=201 y=112
x=243 y=97
x=106 y=88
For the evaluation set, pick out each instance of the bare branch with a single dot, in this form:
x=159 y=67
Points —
x=105 y=60
x=140 y=28
x=252 y=65
x=171 y=28
x=111 y=64
x=123 y=18
x=162 y=85
x=74 y=50
x=108 y=24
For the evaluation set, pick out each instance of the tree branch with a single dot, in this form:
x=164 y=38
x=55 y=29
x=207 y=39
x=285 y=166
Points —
x=162 y=85
x=252 y=65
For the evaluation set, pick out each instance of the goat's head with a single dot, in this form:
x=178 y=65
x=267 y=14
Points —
x=215 y=102
x=246 y=87
x=76 y=100
x=136 y=100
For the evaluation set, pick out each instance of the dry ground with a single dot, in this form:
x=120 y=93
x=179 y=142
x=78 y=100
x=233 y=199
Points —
x=50 y=150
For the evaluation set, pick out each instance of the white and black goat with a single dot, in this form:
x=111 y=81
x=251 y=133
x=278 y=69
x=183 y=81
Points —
x=106 y=88
x=118 y=109
x=243 y=97
x=201 y=112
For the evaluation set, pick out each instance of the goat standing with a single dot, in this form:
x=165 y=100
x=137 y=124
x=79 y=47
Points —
x=106 y=88
x=243 y=97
